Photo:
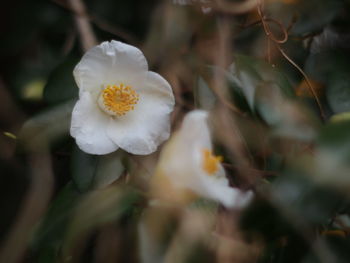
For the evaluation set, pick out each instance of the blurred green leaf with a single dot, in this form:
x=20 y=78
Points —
x=270 y=224
x=310 y=15
x=97 y=208
x=269 y=92
x=329 y=165
x=288 y=118
x=318 y=66
x=305 y=200
x=110 y=168
x=93 y=172
x=335 y=138
x=338 y=92
x=48 y=255
x=204 y=96
x=337 y=250
x=332 y=69
x=83 y=168
x=47 y=127
x=205 y=205
x=30 y=21
x=344 y=116
x=60 y=85
x=51 y=230
x=249 y=73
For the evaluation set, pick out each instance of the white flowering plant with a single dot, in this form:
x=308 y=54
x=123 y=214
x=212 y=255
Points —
x=121 y=104
x=175 y=131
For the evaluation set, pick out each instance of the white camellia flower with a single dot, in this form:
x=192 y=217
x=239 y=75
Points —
x=121 y=104
x=187 y=163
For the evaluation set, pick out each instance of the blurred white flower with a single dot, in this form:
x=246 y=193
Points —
x=187 y=162
x=121 y=103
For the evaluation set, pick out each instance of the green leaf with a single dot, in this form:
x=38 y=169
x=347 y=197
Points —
x=330 y=164
x=204 y=205
x=338 y=250
x=248 y=74
x=48 y=255
x=98 y=208
x=60 y=85
x=271 y=223
x=335 y=139
x=93 y=172
x=338 y=92
x=83 y=169
x=204 y=96
x=305 y=200
x=311 y=15
x=318 y=66
x=268 y=92
x=110 y=168
x=51 y=230
x=344 y=116
x=47 y=127
x=331 y=68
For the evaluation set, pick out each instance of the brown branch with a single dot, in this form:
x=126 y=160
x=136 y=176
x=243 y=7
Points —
x=229 y=133
x=87 y=37
x=33 y=207
x=101 y=24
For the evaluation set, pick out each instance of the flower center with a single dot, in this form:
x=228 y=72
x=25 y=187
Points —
x=210 y=162
x=118 y=100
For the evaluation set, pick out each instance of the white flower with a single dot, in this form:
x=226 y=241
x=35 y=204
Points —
x=121 y=103
x=187 y=162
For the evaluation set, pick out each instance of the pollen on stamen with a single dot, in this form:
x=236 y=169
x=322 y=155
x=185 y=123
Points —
x=210 y=162
x=118 y=100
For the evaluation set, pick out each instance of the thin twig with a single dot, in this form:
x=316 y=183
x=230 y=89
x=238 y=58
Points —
x=267 y=29
x=277 y=42
x=306 y=79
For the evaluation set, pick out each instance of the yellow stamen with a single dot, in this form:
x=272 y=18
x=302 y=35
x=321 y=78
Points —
x=118 y=100
x=211 y=162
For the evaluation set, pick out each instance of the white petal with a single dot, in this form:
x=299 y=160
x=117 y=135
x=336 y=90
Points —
x=141 y=134
x=195 y=130
x=89 y=125
x=110 y=63
x=218 y=189
x=181 y=158
x=186 y=145
x=181 y=161
x=159 y=88
x=141 y=131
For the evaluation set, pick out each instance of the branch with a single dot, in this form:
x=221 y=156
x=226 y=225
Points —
x=87 y=36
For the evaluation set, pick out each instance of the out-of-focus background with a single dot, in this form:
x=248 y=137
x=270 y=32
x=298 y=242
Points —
x=275 y=75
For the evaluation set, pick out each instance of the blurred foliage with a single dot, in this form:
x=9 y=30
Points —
x=294 y=158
